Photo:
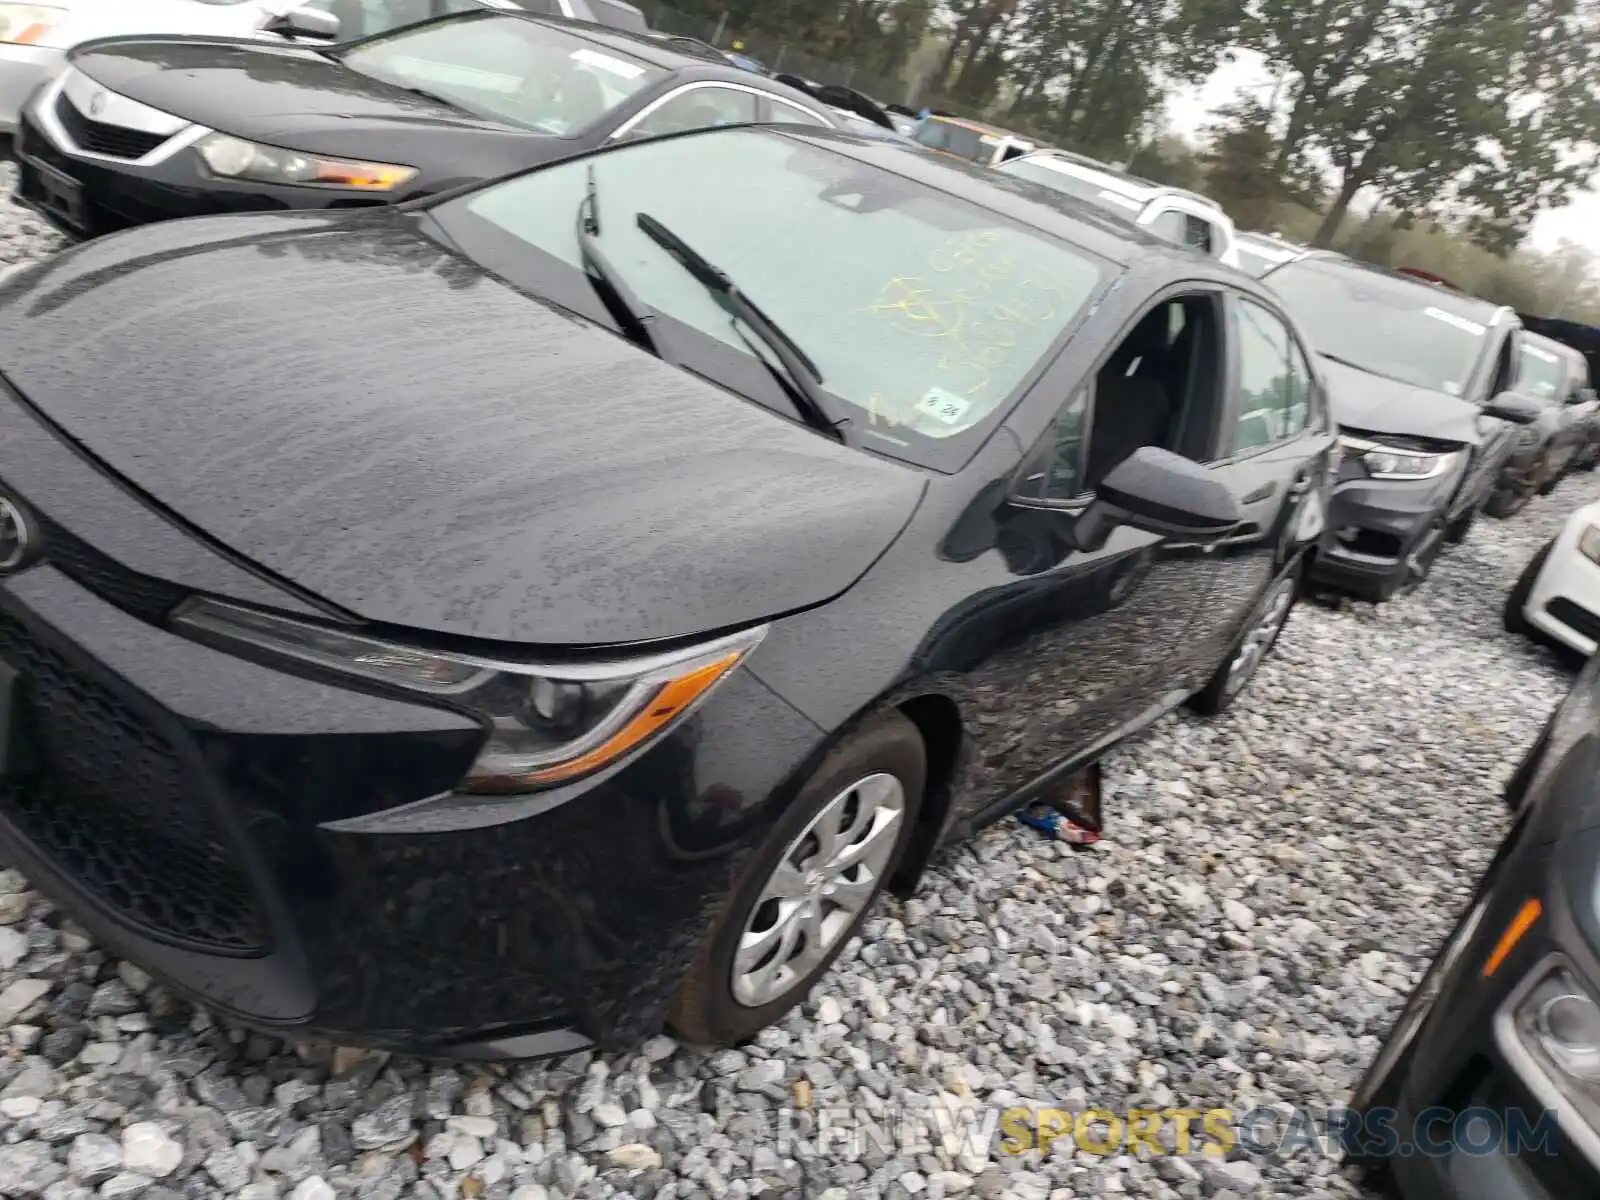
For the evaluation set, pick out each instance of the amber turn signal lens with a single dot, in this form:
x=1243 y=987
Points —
x=1520 y=924
x=663 y=708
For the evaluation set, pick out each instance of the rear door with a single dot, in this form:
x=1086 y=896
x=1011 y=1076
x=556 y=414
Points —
x=1275 y=453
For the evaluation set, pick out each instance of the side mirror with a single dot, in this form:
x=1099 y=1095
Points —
x=304 y=23
x=1514 y=407
x=1584 y=396
x=1160 y=492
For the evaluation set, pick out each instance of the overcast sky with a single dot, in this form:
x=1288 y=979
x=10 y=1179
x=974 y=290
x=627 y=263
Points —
x=1190 y=109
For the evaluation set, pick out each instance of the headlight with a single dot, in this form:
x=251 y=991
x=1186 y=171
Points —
x=1589 y=544
x=1392 y=462
x=1551 y=1035
x=551 y=723
x=235 y=158
x=26 y=24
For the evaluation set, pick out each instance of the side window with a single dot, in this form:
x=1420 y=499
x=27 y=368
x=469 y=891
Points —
x=1064 y=465
x=1274 y=379
x=1198 y=234
x=698 y=108
x=781 y=112
x=1157 y=388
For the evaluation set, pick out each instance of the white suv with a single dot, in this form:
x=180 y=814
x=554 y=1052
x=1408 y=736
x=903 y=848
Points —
x=1186 y=218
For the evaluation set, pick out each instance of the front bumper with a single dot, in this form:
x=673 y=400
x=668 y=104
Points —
x=1564 y=602
x=201 y=814
x=86 y=194
x=1466 y=1065
x=1376 y=526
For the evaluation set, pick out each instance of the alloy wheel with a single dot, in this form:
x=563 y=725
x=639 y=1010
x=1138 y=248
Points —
x=824 y=879
x=1274 y=611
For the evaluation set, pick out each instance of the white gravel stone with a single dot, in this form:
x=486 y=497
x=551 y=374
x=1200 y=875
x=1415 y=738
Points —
x=148 y=1150
x=19 y=996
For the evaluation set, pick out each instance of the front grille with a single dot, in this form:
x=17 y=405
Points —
x=1575 y=617
x=114 y=141
x=102 y=796
x=146 y=598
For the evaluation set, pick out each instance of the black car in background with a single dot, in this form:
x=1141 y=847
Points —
x=1488 y=1087
x=586 y=625
x=1419 y=380
x=142 y=129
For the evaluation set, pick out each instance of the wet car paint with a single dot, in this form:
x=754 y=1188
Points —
x=463 y=926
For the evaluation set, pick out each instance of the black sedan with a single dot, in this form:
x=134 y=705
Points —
x=1420 y=382
x=1489 y=1085
x=564 y=605
x=142 y=129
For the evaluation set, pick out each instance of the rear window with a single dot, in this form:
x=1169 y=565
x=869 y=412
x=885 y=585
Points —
x=953 y=139
x=507 y=69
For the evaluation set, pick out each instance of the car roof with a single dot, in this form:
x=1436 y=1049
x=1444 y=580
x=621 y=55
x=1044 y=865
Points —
x=1074 y=221
x=1463 y=303
x=1129 y=184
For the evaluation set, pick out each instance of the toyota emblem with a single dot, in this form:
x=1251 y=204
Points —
x=97 y=104
x=16 y=536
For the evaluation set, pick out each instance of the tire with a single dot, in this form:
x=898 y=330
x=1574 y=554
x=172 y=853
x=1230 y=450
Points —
x=1456 y=532
x=1512 y=618
x=708 y=1009
x=1507 y=503
x=1225 y=685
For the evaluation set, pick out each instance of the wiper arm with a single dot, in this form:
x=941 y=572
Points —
x=615 y=294
x=799 y=377
x=1345 y=362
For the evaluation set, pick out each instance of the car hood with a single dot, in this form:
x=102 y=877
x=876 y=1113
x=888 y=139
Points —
x=393 y=430
x=286 y=95
x=1375 y=404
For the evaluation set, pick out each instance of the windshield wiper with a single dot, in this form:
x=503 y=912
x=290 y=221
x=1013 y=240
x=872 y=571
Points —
x=799 y=377
x=1345 y=362
x=615 y=294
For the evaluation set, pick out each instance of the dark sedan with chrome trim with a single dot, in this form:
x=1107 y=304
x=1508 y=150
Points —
x=144 y=129
x=562 y=606
x=1488 y=1087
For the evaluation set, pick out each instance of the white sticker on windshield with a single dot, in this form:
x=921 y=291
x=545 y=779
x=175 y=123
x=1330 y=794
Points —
x=1449 y=318
x=945 y=407
x=1451 y=387
x=616 y=66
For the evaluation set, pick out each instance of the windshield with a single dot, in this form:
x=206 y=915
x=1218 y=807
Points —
x=924 y=314
x=507 y=69
x=1539 y=372
x=1071 y=184
x=1405 y=331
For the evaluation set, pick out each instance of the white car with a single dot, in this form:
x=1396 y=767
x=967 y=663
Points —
x=1260 y=252
x=1557 y=598
x=1186 y=218
x=35 y=38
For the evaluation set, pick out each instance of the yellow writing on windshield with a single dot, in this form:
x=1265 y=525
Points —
x=975 y=300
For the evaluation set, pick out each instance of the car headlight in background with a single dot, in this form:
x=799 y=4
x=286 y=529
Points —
x=235 y=158
x=1395 y=462
x=1589 y=543
x=1550 y=1033
x=551 y=723
x=27 y=24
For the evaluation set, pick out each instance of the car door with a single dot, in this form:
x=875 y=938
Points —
x=1080 y=646
x=1275 y=453
x=1497 y=439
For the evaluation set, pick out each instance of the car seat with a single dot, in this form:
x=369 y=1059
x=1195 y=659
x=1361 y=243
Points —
x=1131 y=409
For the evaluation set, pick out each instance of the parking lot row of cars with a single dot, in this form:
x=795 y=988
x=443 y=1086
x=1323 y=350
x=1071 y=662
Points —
x=620 y=518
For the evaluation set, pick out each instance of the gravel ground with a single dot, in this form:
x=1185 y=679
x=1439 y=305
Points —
x=1272 y=886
